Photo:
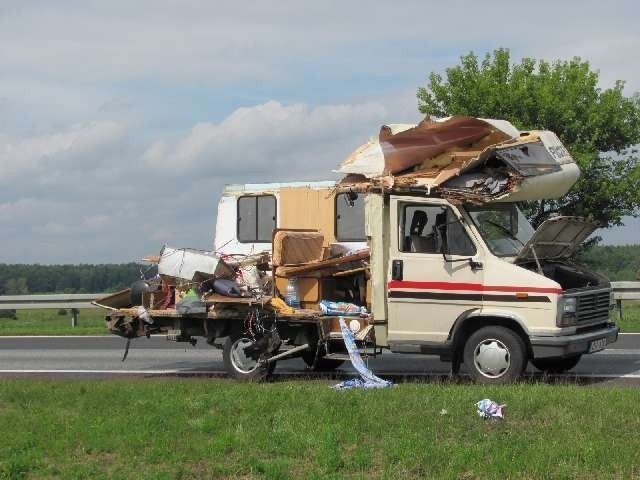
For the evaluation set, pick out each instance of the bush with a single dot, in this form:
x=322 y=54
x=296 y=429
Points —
x=62 y=311
x=8 y=313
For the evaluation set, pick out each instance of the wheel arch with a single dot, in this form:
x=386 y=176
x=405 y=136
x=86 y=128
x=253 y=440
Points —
x=473 y=320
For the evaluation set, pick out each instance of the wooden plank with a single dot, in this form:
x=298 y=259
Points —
x=310 y=267
x=345 y=273
x=217 y=298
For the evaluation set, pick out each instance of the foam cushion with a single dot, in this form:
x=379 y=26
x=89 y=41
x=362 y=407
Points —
x=295 y=248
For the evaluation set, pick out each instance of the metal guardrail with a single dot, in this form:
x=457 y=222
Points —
x=625 y=291
x=74 y=301
x=71 y=301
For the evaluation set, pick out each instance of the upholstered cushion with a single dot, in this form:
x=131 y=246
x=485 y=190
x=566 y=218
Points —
x=295 y=248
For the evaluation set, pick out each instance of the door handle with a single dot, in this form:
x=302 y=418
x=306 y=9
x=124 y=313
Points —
x=396 y=270
x=475 y=265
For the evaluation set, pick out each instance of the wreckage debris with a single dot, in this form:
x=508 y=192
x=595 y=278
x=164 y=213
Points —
x=367 y=378
x=489 y=409
x=464 y=159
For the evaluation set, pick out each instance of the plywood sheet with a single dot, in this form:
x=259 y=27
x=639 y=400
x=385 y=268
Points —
x=306 y=208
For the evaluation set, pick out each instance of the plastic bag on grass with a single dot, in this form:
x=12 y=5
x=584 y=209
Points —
x=490 y=409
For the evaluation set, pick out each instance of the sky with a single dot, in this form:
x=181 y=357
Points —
x=120 y=122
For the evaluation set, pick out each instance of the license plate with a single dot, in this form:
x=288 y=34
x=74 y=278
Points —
x=597 y=345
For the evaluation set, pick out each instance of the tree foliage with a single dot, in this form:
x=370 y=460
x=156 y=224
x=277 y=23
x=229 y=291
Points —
x=617 y=263
x=600 y=127
x=22 y=279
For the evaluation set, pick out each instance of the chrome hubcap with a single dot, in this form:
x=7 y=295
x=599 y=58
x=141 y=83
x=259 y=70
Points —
x=239 y=359
x=492 y=358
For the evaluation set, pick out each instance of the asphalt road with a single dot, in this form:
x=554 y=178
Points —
x=101 y=356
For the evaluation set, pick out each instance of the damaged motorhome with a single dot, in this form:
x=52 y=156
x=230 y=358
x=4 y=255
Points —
x=420 y=247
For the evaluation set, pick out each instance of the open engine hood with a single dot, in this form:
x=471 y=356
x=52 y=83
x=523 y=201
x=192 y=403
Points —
x=556 y=238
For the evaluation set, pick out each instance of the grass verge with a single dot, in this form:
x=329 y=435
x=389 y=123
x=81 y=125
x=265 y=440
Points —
x=163 y=428
x=630 y=322
x=48 y=322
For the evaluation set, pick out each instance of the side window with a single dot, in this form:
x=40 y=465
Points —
x=256 y=218
x=432 y=229
x=349 y=216
x=458 y=241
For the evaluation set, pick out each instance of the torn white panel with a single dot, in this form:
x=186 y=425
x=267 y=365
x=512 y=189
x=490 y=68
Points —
x=367 y=160
x=185 y=263
x=549 y=186
x=555 y=147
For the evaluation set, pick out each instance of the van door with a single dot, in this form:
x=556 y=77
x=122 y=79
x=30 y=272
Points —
x=427 y=293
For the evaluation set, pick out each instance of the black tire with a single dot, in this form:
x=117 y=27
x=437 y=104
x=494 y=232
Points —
x=495 y=355
x=323 y=364
x=556 y=365
x=242 y=367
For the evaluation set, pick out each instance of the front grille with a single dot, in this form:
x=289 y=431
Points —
x=593 y=306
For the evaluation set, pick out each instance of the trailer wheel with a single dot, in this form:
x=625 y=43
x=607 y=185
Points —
x=556 y=365
x=239 y=364
x=495 y=354
x=323 y=364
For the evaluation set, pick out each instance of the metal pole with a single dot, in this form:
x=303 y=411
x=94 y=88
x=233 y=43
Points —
x=619 y=308
x=74 y=317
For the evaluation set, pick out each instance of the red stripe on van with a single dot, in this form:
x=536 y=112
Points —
x=474 y=287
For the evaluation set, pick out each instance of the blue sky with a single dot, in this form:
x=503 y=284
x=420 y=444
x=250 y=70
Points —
x=120 y=122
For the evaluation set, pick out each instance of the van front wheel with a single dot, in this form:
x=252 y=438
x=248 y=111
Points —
x=495 y=354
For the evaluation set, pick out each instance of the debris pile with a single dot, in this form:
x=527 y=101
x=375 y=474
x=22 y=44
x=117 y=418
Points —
x=190 y=276
x=465 y=159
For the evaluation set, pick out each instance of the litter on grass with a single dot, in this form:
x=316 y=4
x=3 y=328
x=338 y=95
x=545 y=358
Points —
x=490 y=409
x=367 y=378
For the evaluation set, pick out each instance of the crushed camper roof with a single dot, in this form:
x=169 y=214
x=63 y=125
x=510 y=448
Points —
x=463 y=158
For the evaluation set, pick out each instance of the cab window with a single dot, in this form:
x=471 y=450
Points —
x=432 y=229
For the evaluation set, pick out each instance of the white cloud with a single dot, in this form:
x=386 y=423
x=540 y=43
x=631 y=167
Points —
x=102 y=201
x=271 y=138
x=43 y=155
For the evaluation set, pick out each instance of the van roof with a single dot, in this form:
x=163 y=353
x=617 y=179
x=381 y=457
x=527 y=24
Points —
x=261 y=187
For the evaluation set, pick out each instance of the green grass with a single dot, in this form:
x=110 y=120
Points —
x=160 y=428
x=630 y=317
x=48 y=322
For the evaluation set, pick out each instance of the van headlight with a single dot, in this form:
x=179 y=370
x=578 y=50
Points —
x=567 y=308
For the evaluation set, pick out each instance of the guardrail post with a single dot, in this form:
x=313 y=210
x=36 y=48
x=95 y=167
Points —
x=74 y=317
x=619 y=309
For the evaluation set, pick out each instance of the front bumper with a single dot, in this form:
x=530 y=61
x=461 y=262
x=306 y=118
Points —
x=570 y=345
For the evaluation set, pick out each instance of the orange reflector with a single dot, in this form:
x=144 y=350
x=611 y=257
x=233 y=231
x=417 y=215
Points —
x=522 y=295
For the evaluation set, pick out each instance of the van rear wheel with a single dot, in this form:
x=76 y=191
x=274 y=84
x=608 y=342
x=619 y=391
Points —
x=240 y=362
x=556 y=365
x=495 y=354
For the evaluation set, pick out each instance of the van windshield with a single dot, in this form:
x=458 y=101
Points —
x=504 y=227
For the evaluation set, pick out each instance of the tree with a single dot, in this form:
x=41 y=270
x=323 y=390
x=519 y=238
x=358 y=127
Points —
x=599 y=127
x=16 y=286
